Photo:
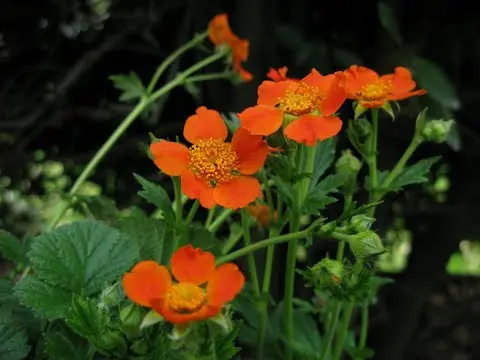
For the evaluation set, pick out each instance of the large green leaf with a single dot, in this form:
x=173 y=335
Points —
x=433 y=78
x=48 y=301
x=86 y=318
x=150 y=234
x=11 y=247
x=415 y=174
x=156 y=195
x=13 y=339
x=324 y=157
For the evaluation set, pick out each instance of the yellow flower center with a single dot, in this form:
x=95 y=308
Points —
x=375 y=91
x=185 y=297
x=213 y=161
x=300 y=99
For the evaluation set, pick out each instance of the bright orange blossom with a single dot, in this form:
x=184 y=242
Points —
x=212 y=170
x=373 y=91
x=150 y=284
x=310 y=102
x=220 y=33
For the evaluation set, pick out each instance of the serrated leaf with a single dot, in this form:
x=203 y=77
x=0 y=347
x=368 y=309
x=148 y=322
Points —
x=389 y=21
x=150 y=235
x=83 y=256
x=284 y=190
x=156 y=195
x=48 y=301
x=224 y=347
x=59 y=346
x=381 y=176
x=11 y=247
x=13 y=340
x=86 y=318
x=131 y=86
x=431 y=77
x=415 y=174
x=324 y=157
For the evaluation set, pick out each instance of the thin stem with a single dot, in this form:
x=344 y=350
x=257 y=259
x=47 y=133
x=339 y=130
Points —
x=215 y=225
x=211 y=214
x=191 y=214
x=172 y=57
x=251 y=259
x=362 y=342
x=340 y=250
x=372 y=159
x=342 y=331
x=206 y=77
x=230 y=244
x=332 y=325
x=309 y=165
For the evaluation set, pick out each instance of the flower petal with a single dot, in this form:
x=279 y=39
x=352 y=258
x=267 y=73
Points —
x=335 y=96
x=192 y=265
x=261 y=119
x=219 y=30
x=225 y=283
x=192 y=186
x=237 y=193
x=174 y=317
x=145 y=282
x=270 y=92
x=206 y=198
x=278 y=74
x=205 y=124
x=252 y=151
x=308 y=129
x=314 y=78
x=169 y=156
x=356 y=77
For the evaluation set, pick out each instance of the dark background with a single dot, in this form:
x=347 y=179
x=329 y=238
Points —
x=55 y=95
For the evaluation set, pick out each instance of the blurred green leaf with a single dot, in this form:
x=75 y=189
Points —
x=62 y=346
x=131 y=86
x=13 y=339
x=431 y=77
x=11 y=247
x=387 y=17
x=415 y=174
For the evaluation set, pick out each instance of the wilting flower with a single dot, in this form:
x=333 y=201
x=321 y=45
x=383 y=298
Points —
x=305 y=106
x=220 y=34
x=261 y=213
x=212 y=170
x=373 y=91
x=200 y=292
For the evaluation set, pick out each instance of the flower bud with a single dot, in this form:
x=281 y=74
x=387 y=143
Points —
x=348 y=163
x=437 y=130
x=366 y=244
x=301 y=253
x=130 y=320
x=359 y=223
x=362 y=127
x=328 y=273
x=111 y=296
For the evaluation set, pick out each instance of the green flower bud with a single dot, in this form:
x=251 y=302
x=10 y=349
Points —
x=111 y=296
x=328 y=273
x=301 y=253
x=362 y=127
x=437 y=130
x=130 y=320
x=348 y=163
x=359 y=223
x=366 y=244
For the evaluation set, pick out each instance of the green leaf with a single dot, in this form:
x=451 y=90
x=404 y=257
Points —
x=99 y=207
x=150 y=235
x=318 y=197
x=83 y=256
x=86 y=318
x=131 y=86
x=324 y=157
x=13 y=339
x=11 y=247
x=48 y=301
x=200 y=237
x=431 y=77
x=232 y=121
x=389 y=21
x=65 y=345
x=415 y=174
x=156 y=195
x=223 y=347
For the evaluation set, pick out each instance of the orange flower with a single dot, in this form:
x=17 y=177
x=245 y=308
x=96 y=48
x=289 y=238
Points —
x=220 y=34
x=212 y=170
x=200 y=292
x=278 y=74
x=261 y=213
x=373 y=91
x=307 y=105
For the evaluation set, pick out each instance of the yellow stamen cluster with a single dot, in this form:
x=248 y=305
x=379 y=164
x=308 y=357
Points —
x=185 y=297
x=213 y=161
x=300 y=99
x=375 y=91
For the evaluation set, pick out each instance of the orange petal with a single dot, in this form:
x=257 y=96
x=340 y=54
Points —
x=205 y=124
x=244 y=74
x=169 y=156
x=174 y=317
x=270 y=92
x=219 y=30
x=252 y=151
x=226 y=282
x=402 y=81
x=206 y=198
x=373 y=103
x=192 y=265
x=261 y=119
x=237 y=193
x=308 y=129
x=145 y=282
x=192 y=187
x=314 y=78
x=334 y=98
x=278 y=74
x=356 y=77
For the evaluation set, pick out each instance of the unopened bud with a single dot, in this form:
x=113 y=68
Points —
x=359 y=223
x=111 y=296
x=328 y=273
x=437 y=130
x=366 y=244
x=362 y=127
x=348 y=163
